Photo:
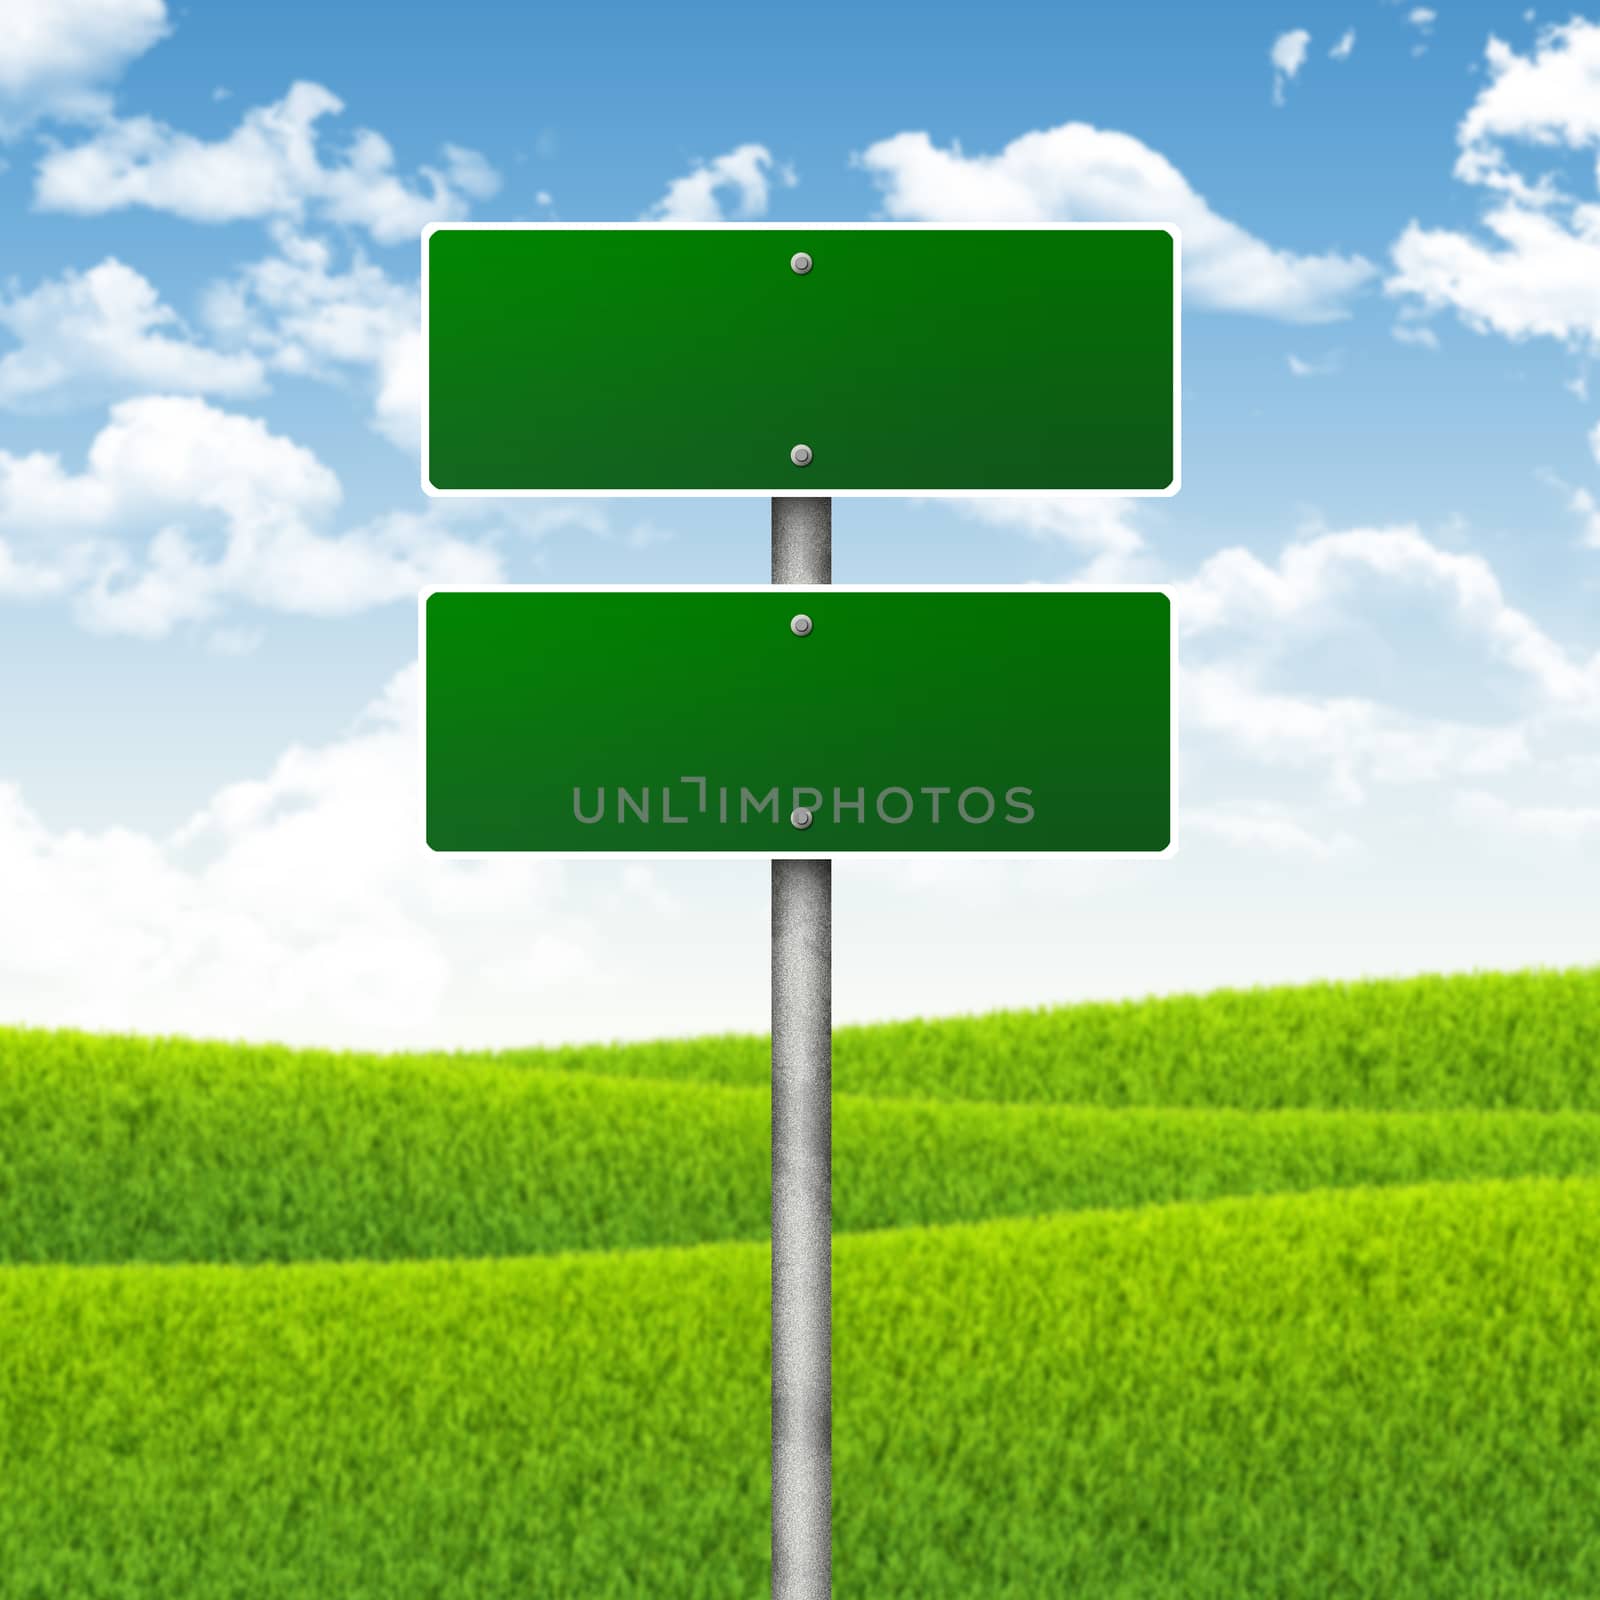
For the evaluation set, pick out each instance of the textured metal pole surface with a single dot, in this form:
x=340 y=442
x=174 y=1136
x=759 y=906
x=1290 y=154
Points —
x=802 y=1159
x=802 y=539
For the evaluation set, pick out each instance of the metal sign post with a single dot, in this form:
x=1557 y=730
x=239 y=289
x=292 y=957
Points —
x=802 y=1158
x=624 y=359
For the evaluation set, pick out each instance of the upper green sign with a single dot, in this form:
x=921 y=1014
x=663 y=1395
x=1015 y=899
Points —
x=810 y=359
x=798 y=720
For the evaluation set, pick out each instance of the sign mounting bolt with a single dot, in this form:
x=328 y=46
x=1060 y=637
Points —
x=800 y=625
x=801 y=455
x=801 y=262
x=800 y=817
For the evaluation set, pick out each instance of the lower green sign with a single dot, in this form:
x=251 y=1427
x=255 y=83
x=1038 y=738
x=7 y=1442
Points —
x=798 y=720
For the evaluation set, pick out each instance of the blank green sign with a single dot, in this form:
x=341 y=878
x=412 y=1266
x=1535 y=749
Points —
x=700 y=721
x=693 y=360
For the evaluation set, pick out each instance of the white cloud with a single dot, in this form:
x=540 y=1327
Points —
x=56 y=56
x=641 y=880
x=1076 y=172
x=230 y=513
x=1288 y=56
x=1581 y=503
x=1545 y=282
x=1257 y=828
x=1355 y=740
x=466 y=170
x=1246 y=622
x=87 y=335
x=1586 y=508
x=269 y=166
x=547 y=962
x=300 y=906
x=171 y=450
x=299 y=315
x=1324 y=368
x=1102 y=525
x=1541 y=274
x=646 y=535
x=1347 y=43
x=235 y=641
x=1422 y=18
x=693 y=198
x=1311 y=576
x=1416 y=333
x=1551 y=96
x=1567 y=824
x=397 y=407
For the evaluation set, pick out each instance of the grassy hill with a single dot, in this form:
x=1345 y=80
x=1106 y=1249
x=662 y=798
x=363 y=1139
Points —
x=1273 y=1293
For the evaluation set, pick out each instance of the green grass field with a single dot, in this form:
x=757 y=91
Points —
x=1278 y=1293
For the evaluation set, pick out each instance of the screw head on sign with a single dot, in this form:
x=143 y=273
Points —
x=800 y=817
x=801 y=455
x=801 y=262
x=800 y=625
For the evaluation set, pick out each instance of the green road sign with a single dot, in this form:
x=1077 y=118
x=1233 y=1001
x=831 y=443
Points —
x=633 y=721
x=811 y=359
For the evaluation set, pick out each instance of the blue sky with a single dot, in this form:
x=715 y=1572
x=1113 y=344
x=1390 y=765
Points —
x=1386 y=549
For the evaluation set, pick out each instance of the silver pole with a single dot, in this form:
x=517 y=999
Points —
x=802 y=1157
